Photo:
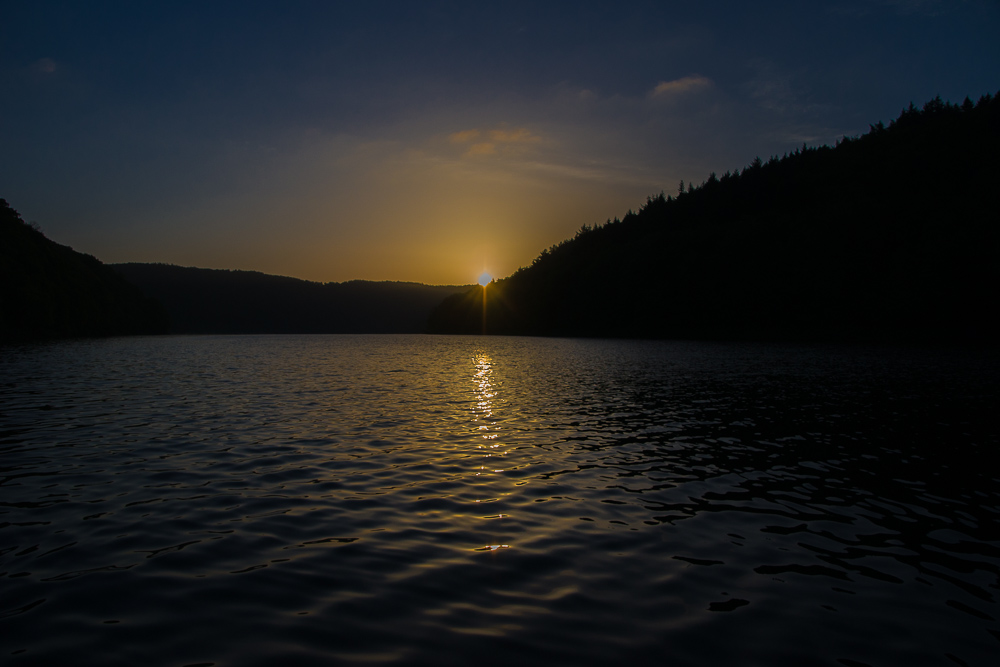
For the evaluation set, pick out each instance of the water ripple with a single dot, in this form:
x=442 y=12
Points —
x=411 y=500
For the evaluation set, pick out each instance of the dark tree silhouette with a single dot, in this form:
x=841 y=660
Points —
x=892 y=235
x=203 y=301
x=49 y=290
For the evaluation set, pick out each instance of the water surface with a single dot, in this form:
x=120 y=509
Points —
x=317 y=500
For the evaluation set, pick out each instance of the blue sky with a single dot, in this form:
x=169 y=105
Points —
x=429 y=141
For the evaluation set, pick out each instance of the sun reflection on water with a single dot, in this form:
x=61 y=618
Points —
x=486 y=392
x=485 y=418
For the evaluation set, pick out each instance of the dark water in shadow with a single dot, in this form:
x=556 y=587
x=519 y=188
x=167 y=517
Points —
x=320 y=500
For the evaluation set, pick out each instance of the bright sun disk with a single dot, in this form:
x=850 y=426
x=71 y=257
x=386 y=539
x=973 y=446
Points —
x=485 y=279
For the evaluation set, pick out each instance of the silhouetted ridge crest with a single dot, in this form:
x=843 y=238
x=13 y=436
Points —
x=49 y=290
x=888 y=236
x=221 y=301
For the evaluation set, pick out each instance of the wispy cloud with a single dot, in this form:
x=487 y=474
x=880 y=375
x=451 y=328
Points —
x=482 y=148
x=521 y=135
x=771 y=88
x=463 y=137
x=500 y=140
x=44 y=65
x=601 y=173
x=680 y=86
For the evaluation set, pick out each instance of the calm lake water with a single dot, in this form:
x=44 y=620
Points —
x=317 y=500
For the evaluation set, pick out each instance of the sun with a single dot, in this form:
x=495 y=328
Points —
x=485 y=279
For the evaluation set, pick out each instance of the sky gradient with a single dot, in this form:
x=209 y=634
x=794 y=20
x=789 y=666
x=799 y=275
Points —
x=430 y=141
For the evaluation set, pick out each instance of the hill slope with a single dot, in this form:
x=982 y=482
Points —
x=889 y=236
x=218 y=301
x=49 y=290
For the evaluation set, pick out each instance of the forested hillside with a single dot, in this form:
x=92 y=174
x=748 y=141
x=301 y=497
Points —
x=892 y=235
x=219 y=301
x=49 y=290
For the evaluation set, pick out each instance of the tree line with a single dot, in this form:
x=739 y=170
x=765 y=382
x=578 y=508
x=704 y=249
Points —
x=219 y=301
x=49 y=290
x=891 y=235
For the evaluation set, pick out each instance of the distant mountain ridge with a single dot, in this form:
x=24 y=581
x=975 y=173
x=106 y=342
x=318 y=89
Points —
x=219 y=301
x=894 y=235
x=50 y=291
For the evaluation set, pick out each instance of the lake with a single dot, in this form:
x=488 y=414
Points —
x=318 y=500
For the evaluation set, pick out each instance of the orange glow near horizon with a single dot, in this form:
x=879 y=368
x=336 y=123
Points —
x=340 y=222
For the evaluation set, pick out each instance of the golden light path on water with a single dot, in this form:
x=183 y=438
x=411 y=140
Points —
x=486 y=392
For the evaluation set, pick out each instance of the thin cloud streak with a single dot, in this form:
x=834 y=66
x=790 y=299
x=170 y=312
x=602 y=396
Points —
x=502 y=141
x=680 y=86
x=45 y=65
